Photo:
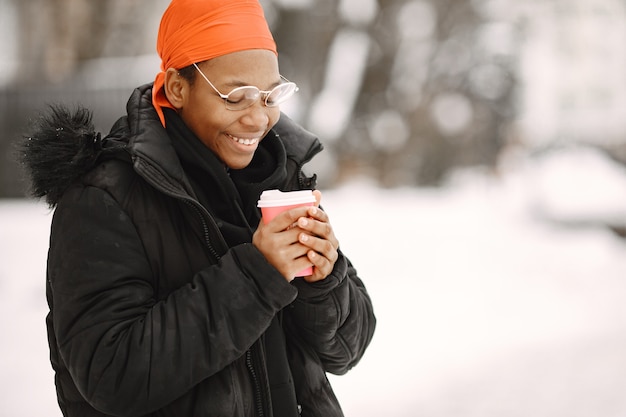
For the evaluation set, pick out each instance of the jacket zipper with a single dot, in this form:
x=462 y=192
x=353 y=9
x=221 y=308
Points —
x=304 y=182
x=205 y=218
x=256 y=382
x=258 y=391
x=144 y=169
x=205 y=226
x=258 y=396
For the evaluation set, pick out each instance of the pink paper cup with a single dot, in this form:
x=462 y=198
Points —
x=274 y=202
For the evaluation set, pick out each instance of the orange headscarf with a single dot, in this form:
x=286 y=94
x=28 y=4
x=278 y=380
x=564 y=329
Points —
x=197 y=30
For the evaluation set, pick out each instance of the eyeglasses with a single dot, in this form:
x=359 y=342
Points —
x=243 y=97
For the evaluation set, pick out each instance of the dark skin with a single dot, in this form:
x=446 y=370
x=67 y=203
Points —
x=289 y=249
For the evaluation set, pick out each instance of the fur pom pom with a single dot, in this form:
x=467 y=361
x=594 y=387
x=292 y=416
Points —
x=62 y=146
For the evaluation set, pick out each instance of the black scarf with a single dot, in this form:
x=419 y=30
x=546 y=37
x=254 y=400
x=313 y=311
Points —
x=229 y=195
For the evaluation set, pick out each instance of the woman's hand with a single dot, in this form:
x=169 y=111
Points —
x=299 y=238
x=278 y=242
x=316 y=233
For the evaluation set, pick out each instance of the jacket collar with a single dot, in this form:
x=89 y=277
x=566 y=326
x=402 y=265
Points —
x=300 y=144
x=150 y=147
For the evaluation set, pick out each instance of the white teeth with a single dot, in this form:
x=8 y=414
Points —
x=244 y=141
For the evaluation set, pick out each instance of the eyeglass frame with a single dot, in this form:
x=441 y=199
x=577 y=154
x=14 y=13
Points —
x=262 y=93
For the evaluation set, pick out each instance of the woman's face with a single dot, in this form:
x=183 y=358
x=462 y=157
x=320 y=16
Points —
x=233 y=135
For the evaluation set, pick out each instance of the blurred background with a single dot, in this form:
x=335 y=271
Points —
x=401 y=91
x=487 y=136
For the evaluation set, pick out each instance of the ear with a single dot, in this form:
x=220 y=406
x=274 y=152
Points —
x=176 y=88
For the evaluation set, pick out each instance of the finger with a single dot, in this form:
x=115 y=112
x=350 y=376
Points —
x=287 y=218
x=285 y=253
x=287 y=235
x=282 y=244
x=322 y=267
x=317 y=213
x=318 y=197
x=325 y=248
x=317 y=228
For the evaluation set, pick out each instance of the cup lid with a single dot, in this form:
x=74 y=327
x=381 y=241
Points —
x=275 y=198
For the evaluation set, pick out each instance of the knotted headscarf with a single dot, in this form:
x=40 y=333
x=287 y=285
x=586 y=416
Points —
x=197 y=30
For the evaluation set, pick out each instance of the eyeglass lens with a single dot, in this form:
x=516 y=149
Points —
x=243 y=97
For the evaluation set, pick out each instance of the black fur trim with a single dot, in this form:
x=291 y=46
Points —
x=62 y=146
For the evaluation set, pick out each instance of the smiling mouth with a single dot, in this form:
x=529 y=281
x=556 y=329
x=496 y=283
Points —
x=243 y=141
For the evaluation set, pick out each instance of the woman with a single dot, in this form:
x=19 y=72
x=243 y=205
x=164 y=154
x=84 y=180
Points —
x=167 y=295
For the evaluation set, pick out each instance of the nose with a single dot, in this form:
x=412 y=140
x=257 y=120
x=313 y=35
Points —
x=257 y=115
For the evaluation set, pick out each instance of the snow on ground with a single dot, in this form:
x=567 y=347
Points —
x=484 y=307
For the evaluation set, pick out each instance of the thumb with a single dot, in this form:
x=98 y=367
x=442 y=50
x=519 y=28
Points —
x=318 y=197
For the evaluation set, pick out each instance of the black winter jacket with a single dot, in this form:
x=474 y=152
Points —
x=150 y=312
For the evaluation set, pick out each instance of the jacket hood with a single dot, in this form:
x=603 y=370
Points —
x=62 y=145
x=300 y=144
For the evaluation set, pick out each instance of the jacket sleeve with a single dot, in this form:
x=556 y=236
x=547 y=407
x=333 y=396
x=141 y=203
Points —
x=335 y=317
x=127 y=353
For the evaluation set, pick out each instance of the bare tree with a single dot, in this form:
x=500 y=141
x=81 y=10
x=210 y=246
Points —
x=56 y=36
x=430 y=97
